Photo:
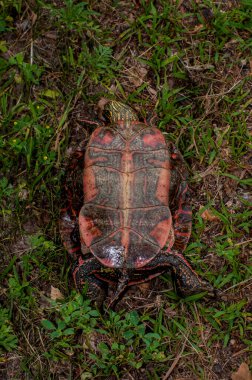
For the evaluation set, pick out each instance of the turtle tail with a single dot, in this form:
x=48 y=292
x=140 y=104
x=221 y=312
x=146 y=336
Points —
x=121 y=287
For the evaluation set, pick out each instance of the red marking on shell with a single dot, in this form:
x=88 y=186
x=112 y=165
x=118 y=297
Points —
x=89 y=185
x=160 y=164
x=88 y=230
x=134 y=177
x=103 y=137
x=159 y=233
x=162 y=192
x=153 y=140
x=90 y=161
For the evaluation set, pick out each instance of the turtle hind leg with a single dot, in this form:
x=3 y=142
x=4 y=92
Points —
x=186 y=280
x=84 y=274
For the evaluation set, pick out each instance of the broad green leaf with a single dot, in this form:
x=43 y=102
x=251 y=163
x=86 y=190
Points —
x=48 y=325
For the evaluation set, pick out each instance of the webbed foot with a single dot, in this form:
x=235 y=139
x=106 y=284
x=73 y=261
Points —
x=84 y=271
x=186 y=280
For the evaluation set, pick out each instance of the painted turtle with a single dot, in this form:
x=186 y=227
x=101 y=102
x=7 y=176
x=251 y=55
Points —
x=135 y=219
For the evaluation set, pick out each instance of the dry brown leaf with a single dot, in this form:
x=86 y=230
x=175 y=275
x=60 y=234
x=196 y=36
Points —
x=52 y=35
x=230 y=186
x=197 y=29
x=137 y=75
x=153 y=92
x=33 y=18
x=102 y=102
x=100 y=106
x=144 y=287
x=92 y=340
x=56 y=294
x=243 y=373
x=208 y=215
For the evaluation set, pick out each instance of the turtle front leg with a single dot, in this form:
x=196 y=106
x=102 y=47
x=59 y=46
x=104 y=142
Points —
x=69 y=232
x=84 y=274
x=180 y=201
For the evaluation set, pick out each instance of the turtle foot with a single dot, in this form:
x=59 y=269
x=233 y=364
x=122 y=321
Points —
x=205 y=286
x=84 y=271
x=186 y=280
x=193 y=284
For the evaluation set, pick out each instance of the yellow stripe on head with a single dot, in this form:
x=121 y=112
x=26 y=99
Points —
x=116 y=111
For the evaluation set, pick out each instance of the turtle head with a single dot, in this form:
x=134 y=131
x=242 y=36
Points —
x=116 y=111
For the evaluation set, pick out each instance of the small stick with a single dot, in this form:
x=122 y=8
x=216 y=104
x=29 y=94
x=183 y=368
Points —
x=175 y=362
x=31 y=53
x=90 y=122
x=235 y=286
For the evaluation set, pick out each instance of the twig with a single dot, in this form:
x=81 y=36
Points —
x=31 y=53
x=175 y=362
x=240 y=352
x=242 y=242
x=240 y=283
x=91 y=122
x=221 y=93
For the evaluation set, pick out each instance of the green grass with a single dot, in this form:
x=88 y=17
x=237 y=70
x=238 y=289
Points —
x=186 y=66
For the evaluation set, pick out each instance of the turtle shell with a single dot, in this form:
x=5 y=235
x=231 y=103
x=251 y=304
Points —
x=126 y=219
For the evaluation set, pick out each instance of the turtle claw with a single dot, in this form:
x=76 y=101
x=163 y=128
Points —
x=212 y=293
x=205 y=286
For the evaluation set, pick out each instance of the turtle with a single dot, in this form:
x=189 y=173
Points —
x=134 y=218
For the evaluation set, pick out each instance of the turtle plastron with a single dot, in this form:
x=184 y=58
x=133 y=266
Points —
x=135 y=218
